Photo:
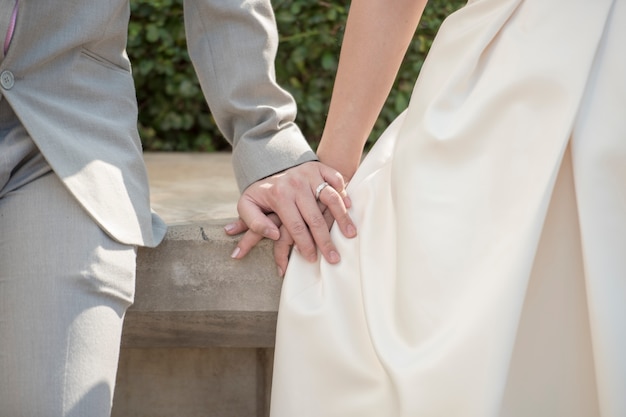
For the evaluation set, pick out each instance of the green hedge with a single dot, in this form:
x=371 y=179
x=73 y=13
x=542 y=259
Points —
x=172 y=112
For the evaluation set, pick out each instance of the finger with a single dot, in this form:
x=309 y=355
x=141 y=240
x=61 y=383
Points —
x=300 y=226
x=282 y=250
x=328 y=217
x=280 y=197
x=251 y=239
x=256 y=219
x=236 y=227
x=336 y=180
x=319 y=230
x=330 y=198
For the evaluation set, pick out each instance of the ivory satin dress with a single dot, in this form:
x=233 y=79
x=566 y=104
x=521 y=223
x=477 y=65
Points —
x=488 y=278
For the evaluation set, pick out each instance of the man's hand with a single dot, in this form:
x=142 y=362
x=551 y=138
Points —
x=291 y=195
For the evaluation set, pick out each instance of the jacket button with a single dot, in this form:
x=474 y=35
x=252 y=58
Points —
x=7 y=80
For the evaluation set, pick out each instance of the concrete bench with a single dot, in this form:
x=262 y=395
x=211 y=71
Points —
x=190 y=293
x=199 y=339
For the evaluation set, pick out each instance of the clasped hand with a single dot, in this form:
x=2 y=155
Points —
x=284 y=208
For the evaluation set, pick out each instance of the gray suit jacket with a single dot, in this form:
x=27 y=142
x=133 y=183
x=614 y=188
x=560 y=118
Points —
x=68 y=79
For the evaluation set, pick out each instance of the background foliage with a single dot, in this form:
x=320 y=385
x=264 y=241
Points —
x=172 y=112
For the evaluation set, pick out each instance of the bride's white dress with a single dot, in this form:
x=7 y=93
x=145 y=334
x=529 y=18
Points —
x=488 y=278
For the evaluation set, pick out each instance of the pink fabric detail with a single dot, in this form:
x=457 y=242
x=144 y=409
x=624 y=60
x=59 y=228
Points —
x=7 y=39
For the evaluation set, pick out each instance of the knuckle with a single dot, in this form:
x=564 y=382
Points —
x=327 y=246
x=333 y=198
x=338 y=178
x=298 y=228
x=257 y=226
x=317 y=221
x=276 y=192
x=295 y=182
x=343 y=217
x=241 y=204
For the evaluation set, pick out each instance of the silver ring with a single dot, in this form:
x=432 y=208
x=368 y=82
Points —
x=319 y=189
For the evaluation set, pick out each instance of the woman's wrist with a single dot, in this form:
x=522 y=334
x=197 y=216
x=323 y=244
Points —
x=340 y=161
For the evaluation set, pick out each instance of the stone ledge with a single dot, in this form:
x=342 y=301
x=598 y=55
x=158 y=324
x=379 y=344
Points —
x=199 y=329
x=198 y=339
x=190 y=293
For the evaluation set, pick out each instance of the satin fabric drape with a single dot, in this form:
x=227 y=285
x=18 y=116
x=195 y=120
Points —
x=489 y=276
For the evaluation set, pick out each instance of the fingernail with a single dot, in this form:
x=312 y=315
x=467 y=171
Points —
x=229 y=227
x=280 y=271
x=235 y=253
x=334 y=257
x=351 y=230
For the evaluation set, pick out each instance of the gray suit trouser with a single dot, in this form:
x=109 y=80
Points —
x=64 y=288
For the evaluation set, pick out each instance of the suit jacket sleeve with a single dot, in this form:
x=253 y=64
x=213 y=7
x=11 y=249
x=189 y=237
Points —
x=232 y=44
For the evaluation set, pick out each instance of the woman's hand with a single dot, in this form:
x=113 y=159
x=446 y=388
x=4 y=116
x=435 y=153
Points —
x=288 y=201
x=282 y=246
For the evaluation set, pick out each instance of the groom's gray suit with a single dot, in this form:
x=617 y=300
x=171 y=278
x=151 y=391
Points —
x=67 y=77
x=66 y=87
